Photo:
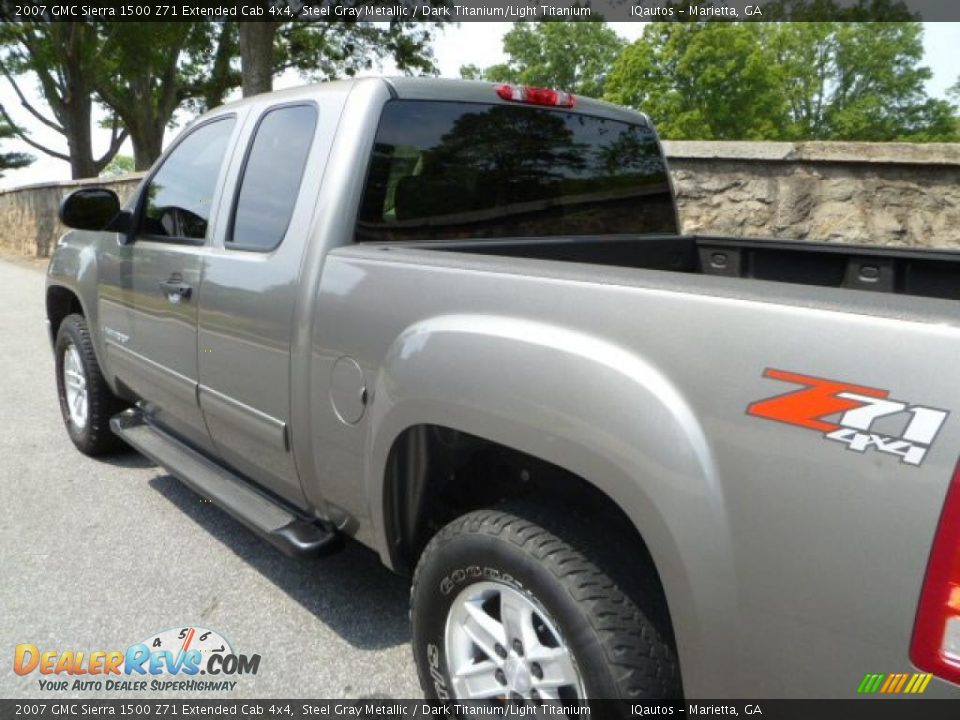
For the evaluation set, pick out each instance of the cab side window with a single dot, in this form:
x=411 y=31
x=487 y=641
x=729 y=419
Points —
x=178 y=198
x=271 y=177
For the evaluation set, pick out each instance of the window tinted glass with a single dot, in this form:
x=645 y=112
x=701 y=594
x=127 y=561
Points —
x=271 y=178
x=179 y=195
x=455 y=170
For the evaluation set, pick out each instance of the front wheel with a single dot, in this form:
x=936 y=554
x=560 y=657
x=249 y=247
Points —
x=505 y=609
x=86 y=402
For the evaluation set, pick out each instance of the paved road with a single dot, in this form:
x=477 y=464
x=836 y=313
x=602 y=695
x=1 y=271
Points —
x=99 y=554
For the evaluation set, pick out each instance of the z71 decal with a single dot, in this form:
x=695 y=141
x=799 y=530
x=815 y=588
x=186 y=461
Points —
x=845 y=413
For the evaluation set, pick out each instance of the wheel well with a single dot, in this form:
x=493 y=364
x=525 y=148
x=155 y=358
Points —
x=60 y=303
x=435 y=474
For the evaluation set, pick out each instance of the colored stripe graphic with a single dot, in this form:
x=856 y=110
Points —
x=903 y=679
x=870 y=683
x=906 y=683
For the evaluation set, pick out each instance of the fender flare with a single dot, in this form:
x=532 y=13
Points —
x=74 y=268
x=593 y=408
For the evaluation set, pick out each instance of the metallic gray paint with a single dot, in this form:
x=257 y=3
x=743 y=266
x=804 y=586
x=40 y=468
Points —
x=791 y=565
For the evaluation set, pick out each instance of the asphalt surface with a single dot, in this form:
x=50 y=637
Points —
x=101 y=554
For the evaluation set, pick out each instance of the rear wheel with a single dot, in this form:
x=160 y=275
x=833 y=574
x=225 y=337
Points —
x=519 y=603
x=86 y=401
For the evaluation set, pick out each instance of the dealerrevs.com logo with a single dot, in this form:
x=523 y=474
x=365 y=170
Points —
x=180 y=659
x=850 y=414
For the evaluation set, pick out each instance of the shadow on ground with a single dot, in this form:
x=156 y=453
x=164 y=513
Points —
x=350 y=591
x=126 y=458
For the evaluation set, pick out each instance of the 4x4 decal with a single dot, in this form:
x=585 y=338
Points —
x=845 y=413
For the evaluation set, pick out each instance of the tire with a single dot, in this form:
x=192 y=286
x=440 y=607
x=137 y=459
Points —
x=620 y=640
x=92 y=436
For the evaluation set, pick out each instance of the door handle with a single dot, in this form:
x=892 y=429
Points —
x=176 y=290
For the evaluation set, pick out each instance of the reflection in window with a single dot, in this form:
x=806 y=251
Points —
x=452 y=170
x=271 y=178
x=180 y=193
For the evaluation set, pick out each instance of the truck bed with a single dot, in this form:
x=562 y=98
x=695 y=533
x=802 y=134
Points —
x=906 y=271
x=523 y=327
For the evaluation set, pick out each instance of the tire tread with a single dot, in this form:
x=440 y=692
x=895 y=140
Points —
x=640 y=656
x=97 y=438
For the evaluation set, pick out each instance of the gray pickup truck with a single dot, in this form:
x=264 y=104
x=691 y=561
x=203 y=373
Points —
x=457 y=322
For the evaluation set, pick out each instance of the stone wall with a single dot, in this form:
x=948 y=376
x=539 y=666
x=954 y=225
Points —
x=877 y=193
x=28 y=215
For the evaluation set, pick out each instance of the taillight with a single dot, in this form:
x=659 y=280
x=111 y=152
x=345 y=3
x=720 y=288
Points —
x=935 y=647
x=535 y=95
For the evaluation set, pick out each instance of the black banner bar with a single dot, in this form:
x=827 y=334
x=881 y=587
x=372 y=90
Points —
x=483 y=10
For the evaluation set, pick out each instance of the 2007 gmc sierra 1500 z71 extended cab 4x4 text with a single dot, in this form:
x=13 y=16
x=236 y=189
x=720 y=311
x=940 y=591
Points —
x=458 y=323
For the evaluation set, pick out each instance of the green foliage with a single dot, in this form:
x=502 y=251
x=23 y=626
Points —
x=148 y=70
x=164 y=64
x=330 y=50
x=144 y=72
x=120 y=165
x=63 y=58
x=471 y=72
x=572 y=56
x=703 y=80
x=783 y=81
x=14 y=160
x=859 y=81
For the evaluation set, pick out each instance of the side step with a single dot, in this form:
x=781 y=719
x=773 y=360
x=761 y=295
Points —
x=281 y=526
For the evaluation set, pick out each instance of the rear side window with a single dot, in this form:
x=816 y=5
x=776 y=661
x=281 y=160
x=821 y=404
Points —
x=271 y=177
x=447 y=170
x=180 y=193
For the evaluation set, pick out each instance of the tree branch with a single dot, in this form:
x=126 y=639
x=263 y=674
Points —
x=53 y=90
x=23 y=136
x=106 y=92
x=115 y=142
x=23 y=101
x=114 y=127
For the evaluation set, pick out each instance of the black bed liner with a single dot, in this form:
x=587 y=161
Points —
x=907 y=271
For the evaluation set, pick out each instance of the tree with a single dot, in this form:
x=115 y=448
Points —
x=859 y=81
x=256 y=56
x=571 y=56
x=144 y=72
x=13 y=160
x=703 y=80
x=473 y=72
x=64 y=59
x=784 y=81
x=329 y=50
x=148 y=70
